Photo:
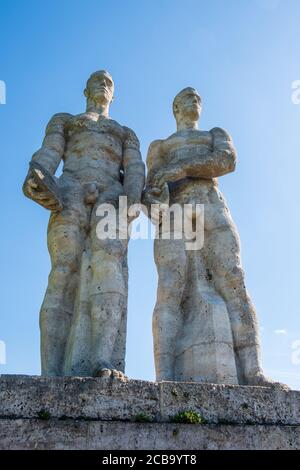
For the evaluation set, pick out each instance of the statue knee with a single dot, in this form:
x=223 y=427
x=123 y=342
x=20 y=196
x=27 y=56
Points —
x=107 y=274
x=170 y=290
x=54 y=320
x=62 y=269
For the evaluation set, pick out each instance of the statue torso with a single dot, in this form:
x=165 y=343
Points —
x=181 y=146
x=185 y=143
x=94 y=148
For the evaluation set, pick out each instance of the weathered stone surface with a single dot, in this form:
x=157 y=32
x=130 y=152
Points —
x=112 y=399
x=231 y=403
x=98 y=413
x=74 y=397
x=95 y=435
x=84 y=313
x=204 y=323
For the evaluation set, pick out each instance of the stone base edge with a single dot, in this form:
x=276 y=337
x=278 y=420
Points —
x=55 y=434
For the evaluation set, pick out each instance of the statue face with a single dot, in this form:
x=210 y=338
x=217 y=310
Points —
x=189 y=105
x=100 y=88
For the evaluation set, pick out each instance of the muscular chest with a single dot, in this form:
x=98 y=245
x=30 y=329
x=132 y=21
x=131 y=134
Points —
x=87 y=135
x=184 y=145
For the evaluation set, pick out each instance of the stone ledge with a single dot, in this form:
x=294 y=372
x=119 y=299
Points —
x=113 y=400
x=31 y=434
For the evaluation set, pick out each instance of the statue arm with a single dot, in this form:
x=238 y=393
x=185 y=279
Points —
x=224 y=153
x=154 y=165
x=212 y=164
x=155 y=197
x=134 y=169
x=52 y=150
x=49 y=157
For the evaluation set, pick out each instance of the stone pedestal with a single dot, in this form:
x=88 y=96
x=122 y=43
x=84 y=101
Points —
x=94 y=413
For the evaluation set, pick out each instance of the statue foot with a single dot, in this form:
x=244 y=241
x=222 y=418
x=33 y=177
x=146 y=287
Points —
x=110 y=372
x=260 y=380
x=165 y=378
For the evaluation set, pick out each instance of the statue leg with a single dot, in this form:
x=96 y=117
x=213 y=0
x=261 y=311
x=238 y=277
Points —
x=65 y=241
x=108 y=303
x=222 y=252
x=170 y=259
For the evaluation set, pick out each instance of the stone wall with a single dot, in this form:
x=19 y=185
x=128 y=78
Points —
x=94 y=413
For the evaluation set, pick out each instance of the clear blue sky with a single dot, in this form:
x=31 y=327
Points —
x=242 y=56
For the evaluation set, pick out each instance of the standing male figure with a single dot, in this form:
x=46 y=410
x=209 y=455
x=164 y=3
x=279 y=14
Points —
x=204 y=323
x=83 y=315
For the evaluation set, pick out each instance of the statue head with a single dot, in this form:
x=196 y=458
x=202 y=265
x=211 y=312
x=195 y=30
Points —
x=187 y=105
x=100 y=88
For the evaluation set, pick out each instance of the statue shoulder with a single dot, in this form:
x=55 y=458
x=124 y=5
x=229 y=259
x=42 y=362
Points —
x=153 y=156
x=131 y=140
x=219 y=133
x=58 y=123
x=221 y=139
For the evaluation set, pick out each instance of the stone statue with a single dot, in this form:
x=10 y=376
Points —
x=204 y=323
x=83 y=315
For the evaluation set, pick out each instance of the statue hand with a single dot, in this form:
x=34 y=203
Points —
x=156 y=195
x=32 y=190
x=169 y=173
x=156 y=201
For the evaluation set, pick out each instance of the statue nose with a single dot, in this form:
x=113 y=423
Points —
x=92 y=188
